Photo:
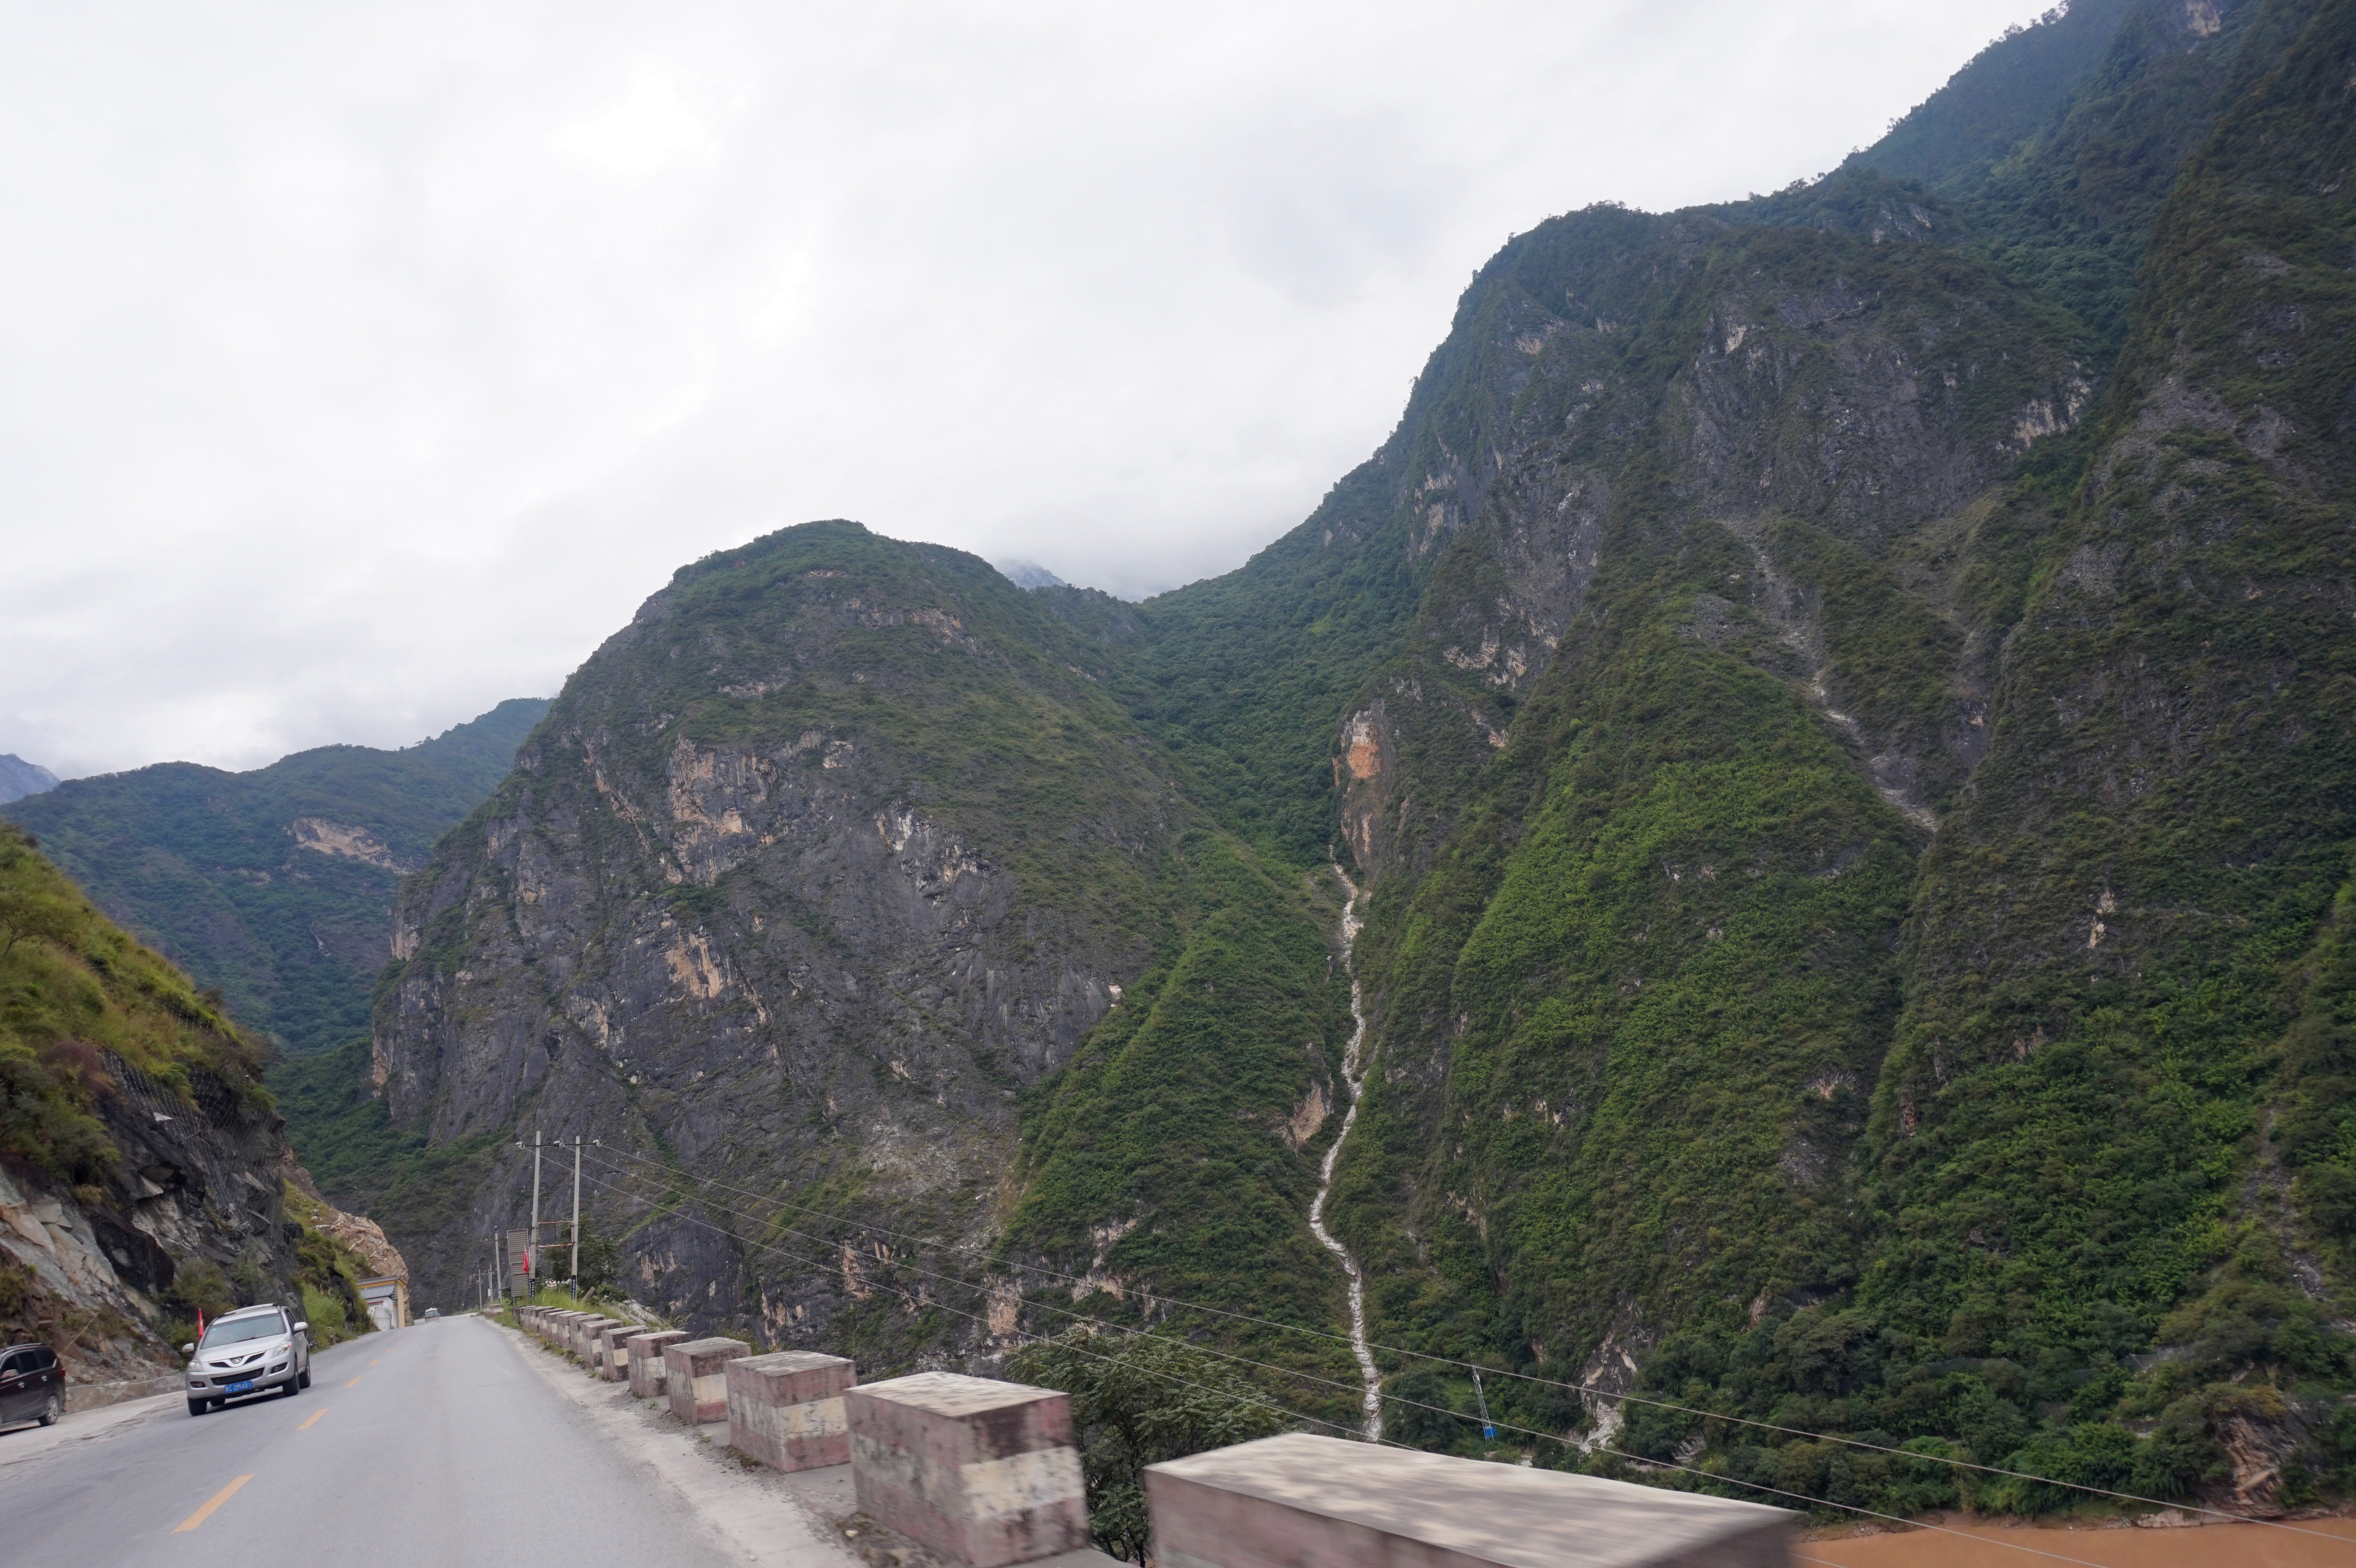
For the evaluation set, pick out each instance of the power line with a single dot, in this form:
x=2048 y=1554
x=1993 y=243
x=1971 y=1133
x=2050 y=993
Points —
x=1168 y=1301
x=1267 y=1405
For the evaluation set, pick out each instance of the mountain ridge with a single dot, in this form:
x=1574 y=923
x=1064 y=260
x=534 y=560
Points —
x=20 y=778
x=275 y=886
x=1838 y=703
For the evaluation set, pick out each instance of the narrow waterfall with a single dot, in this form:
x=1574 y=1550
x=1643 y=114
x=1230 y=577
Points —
x=1353 y=1073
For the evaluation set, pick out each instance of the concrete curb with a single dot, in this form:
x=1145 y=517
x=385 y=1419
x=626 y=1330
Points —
x=98 y=1396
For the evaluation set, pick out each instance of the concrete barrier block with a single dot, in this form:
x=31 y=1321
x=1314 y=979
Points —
x=695 y=1377
x=786 y=1410
x=613 y=1358
x=982 y=1472
x=645 y=1373
x=1299 y=1501
x=589 y=1342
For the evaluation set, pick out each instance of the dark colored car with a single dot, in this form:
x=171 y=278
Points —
x=32 y=1384
x=254 y=1349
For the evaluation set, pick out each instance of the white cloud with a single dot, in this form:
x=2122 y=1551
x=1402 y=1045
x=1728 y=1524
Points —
x=367 y=365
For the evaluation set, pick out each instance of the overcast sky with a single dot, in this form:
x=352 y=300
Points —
x=367 y=365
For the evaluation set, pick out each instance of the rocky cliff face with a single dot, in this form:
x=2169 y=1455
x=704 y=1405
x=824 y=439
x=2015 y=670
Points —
x=811 y=872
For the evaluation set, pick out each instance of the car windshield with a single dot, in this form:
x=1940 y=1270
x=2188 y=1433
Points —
x=267 y=1325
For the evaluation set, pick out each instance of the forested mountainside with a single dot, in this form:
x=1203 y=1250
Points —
x=811 y=873
x=1839 y=701
x=275 y=886
x=144 y=1175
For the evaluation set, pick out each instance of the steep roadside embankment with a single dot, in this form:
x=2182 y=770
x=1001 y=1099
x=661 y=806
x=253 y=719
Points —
x=142 y=1167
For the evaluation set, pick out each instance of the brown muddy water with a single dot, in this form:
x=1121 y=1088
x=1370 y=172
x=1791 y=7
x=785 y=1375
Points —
x=1993 y=1546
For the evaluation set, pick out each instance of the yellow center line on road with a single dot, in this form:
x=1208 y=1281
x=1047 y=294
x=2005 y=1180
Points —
x=215 y=1501
x=378 y=1361
x=355 y=1381
x=311 y=1421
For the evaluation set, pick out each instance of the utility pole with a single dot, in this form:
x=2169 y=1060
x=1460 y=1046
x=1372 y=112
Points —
x=576 y=1211
x=536 y=1141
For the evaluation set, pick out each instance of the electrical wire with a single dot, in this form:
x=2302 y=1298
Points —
x=1168 y=1301
x=1704 y=1475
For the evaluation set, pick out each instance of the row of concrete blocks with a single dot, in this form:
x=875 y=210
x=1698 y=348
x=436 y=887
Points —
x=986 y=1473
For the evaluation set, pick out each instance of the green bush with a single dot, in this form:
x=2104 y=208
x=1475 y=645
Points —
x=199 y=1287
x=329 y=1325
x=1138 y=1399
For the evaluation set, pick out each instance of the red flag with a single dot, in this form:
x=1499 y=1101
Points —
x=200 y=1324
x=527 y=1260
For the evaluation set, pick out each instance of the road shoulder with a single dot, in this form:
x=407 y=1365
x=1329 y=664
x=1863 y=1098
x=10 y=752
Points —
x=23 y=1446
x=764 y=1517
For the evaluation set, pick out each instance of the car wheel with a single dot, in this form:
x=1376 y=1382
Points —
x=306 y=1377
x=51 y=1411
x=290 y=1387
x=196 y=1407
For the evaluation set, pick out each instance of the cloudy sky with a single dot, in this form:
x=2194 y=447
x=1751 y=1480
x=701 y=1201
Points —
x=367 y=365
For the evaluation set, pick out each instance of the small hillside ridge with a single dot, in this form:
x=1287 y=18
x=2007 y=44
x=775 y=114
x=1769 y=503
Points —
x=361 y=1236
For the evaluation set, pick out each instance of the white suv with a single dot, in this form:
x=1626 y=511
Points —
x=249 y=1350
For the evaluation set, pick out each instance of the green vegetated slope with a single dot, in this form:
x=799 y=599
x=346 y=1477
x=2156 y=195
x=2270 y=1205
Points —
x=1702 y=1063
x=811 y=876
x=1242 y=676
x=405 y=1180
x=275 y=886
x=78 y=987
x=2011 y=91
x=2124 y=953
x=1177 y=1152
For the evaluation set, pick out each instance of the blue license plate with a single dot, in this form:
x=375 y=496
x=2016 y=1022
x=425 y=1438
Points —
x=245 y=1387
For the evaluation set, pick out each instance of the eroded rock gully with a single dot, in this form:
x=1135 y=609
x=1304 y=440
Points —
x=1353 y=1073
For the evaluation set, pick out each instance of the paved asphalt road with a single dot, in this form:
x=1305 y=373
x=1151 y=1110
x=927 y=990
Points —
x=428 y=1445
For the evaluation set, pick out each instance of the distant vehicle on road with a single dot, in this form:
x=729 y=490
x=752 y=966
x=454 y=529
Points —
x=32 y=1385
x=430 y=1313
x=254 y=1349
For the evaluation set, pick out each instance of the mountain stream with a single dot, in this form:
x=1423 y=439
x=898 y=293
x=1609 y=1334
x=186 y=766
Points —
x=1354 y=1074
